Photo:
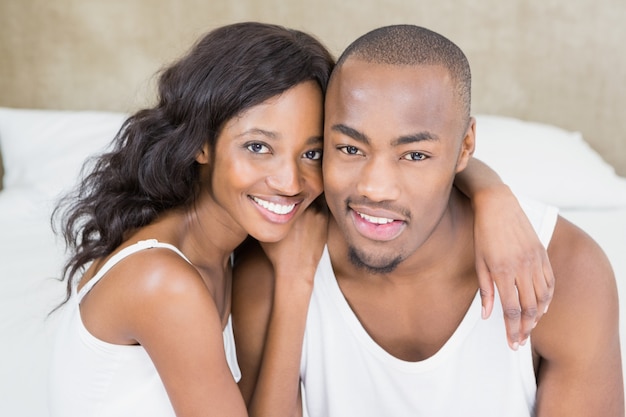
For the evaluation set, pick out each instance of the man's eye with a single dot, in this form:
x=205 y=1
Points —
x=415 y=156
x=350 y=150
x=257 y=148
x=313 y=154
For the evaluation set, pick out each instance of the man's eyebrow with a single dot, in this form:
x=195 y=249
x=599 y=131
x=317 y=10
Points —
x=402 y=140
x=350 y=132
x=417 y=137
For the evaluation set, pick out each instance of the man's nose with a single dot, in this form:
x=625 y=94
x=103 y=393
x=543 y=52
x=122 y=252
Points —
x=378 y=180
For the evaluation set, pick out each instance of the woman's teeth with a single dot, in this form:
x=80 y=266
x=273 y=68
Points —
x=273 y=207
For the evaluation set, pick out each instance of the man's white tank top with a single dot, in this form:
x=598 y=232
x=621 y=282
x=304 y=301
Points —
x=346 y=373
x=90 y=377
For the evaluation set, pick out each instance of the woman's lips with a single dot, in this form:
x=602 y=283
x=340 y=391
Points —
x=275 y=212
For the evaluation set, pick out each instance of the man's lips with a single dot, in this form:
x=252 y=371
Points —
x=377 y=226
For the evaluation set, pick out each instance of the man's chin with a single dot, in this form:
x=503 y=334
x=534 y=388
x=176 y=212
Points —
x=374 y=264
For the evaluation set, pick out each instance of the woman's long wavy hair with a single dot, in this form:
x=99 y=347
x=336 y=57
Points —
x=152 y=166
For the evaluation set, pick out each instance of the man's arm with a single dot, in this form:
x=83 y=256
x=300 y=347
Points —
x=508 y=252
x=577 y=342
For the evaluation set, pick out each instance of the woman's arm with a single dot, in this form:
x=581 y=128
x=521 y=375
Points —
x=171 y=314
x=508 y=252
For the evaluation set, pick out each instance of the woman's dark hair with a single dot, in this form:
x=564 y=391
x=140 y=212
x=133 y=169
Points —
x=152 y=166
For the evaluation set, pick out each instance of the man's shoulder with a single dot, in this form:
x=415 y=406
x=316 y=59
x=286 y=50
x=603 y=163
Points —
x=585 y=294
x=576 y=257
x=578 y=338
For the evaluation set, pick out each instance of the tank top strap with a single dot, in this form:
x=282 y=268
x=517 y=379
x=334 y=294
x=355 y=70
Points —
x=127 y=251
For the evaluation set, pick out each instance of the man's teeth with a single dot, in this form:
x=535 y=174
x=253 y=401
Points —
x=376 y=220
x=273 y=207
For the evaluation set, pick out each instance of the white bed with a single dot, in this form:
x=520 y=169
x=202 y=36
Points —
x=43 y=152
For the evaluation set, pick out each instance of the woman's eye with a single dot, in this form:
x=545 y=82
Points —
x=257 y=148
x=314 y=154
x=415 y=156
x=350 y=150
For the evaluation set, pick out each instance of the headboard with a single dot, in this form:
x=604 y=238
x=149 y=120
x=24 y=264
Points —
x=553 y=61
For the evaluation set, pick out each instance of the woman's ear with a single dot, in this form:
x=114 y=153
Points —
x=467 y=146
x=203 y=157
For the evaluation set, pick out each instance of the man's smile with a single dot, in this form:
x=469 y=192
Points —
x=377 y=227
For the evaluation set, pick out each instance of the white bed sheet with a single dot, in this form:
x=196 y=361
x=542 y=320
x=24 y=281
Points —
x=30 y=257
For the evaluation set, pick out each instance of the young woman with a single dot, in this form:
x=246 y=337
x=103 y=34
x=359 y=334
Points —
x=232 y=149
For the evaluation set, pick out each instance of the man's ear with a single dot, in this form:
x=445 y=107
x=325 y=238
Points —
x=467 y=146
x=203 y=157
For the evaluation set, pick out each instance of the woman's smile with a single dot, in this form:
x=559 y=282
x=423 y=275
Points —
x=275 y=212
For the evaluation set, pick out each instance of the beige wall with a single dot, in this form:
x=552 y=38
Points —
x=556 y=61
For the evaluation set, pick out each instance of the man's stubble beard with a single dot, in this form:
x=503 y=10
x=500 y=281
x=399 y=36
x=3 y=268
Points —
x=358 y=260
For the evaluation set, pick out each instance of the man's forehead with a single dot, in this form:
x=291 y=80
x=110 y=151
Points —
x=392 y=101
x=354 y=72
x=362 y=80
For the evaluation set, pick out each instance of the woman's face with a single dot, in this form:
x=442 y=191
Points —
x=267 y=162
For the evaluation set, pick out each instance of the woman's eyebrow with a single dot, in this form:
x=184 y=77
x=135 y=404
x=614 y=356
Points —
x=257 y=131
x=315 y=140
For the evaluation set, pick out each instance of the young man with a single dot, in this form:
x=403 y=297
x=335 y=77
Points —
x=392 y=327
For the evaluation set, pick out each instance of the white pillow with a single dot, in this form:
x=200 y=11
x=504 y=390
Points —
x=547 y=163
x=45 y=149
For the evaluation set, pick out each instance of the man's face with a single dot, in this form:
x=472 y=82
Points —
x=394 y=138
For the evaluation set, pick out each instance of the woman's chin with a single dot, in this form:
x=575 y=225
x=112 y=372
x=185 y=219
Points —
x=270 y=236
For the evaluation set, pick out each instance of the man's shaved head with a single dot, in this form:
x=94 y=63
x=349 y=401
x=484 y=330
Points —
x=407 y=45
